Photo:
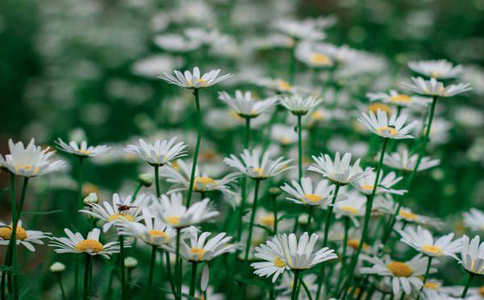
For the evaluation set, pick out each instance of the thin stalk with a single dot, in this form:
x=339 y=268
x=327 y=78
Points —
x=168 y=272
x=78 y=222
x=292 y=66
x=8 y=255
x=194 y=279
x=61 y=286
x=427 y=272
x=136 y=191
x=274 y=207
x=252 y=218
x=306 y=289
x=243 y=183
x=299 y=143
x=343 y=256
x=197 y=147
x=122 y=268
x=157 y=181
x=152 y=268
x=86 y=277
x=464 y=293
x=294 y=286
x=178 y=265
x=310 y=217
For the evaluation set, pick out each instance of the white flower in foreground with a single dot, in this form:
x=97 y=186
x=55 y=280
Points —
x=439 y=69
x=392 y=128
x=82 y=150
x=433 y=87
x=23 y=237
x=366 y=184
x=200 y=248
x=352 y=208
x=29 y=161
x=256 y=167
x=194 y=80
x=402 y=160
x=120 y=209
x=405 y=276
x=153 y=232
x=300 y=106
x=246 y=106
x=284 y=253
x=474 y=219
x=472 y=255
x=172 y=211
x=303 y=193
x=160 y=153
x=75 y=243
x=399 y=99
x=338 y=172
x=423 y=241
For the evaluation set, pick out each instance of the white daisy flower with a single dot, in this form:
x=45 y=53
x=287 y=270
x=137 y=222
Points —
x=299 y=30
x=284 y=253
x=398 y=99
x=366 y=184
x=75 y=243
x=277 y=84
x=285 y=135
x=245 y=105
x=193 y=80
x=82 y=150
x=200 y=248
x=254 y=166
x=172 y=211
x=402 y=160
x=472 y=255
x=423 y=241
x=474 y=219
x=300 y=106
x=435 y=88
x=303 y=193
x=439 y=69
x=311 y=56
x=29 y=161
x=175 y=43
x=342 y=54
x=160 y=153
x=352 y=208
x=338 y=172
x=23 y=237
x=405 y=214
x=120 y=209
x=392 y=128
x=404 y=276
x=153 y=232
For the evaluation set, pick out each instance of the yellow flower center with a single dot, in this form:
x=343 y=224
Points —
x=317 y=115
x=201 y=183
x=27 y=168
x=388 y=129
x=85 y=151
x=158 y=233
x=313 y=197
x=481 y=291
x=435 y=74
x=278 y=262
x=432 y=249
x=378 y=106
x=355 y=243
x=408 y=215
x=400 y=269
x=320 y=59
x=198 y=251
x=267 y=220
x=401 y=98
x=201 y=82
x=283 y=85
x=6 y=233
x=432 y=286
x=120 y=216
x=286 y=140
x=259 y=171
x=351 y=209
x=89 y=246
x=175 y=220
x=367 y=187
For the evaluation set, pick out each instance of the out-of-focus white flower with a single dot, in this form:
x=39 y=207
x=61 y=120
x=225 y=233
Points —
x=299 y=30
x=366 y=184
x=402 y=160
x=303 y=193
x=309 y=54
x=255 y=166
x=300 y=106
x=474 y=219
x=153 y=66
x=200 y=248
x=393 y=128
x=160 y=153
x=195 y=80
x=423 y=241
x=82 y=150
x=439 y=69
x=245 y=105
x=175 y=43
x=436 y=88
x=338 y=172
x=398 y=99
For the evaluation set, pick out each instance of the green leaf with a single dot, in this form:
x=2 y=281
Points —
x=5 y=268
x=26 y=290
x=42 y=212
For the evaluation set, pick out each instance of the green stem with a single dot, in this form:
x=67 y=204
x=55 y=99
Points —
x=178 y=265
x=306 y=289
x=464 y=293
x=122 y=268
x=299 y=134
x=310 y=217
x=197 y=147
x=168 y=272
x=292 y=66
x=252 y=218
x=343 y=256
x=274 y=206
x=294 y=286
x=194 y=279
x=243 y=183
x=427 y=272
x=80 y=203
x=86 y=276
x=61 y=286
x=157 y=181
x=136 y=191
x=152 y=268
x=8 y=255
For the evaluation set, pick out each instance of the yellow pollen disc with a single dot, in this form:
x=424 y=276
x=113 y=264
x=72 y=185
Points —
x=401 y=98
x=320 y=59
x=89 y=246
x=432 y=286
x=378 y=106
x=286 y=140
x=432 y=249
x=313 y=197
x=158 y=233
x=389 y=129
x=400 y=269
x=84 y=151
x=317 y=115
x=27 y=168
x=435 y=74
x=278 y=262
x=6 y=233
x=367 y=187
x=408 y=215
x=198 y=251
x=481 y=291
x=350 y=209
x=121 y=216
x=173 y=220
x=202 y=182
x=259 y=171
x=355 y=243
x=284 y=85
x=267 y=220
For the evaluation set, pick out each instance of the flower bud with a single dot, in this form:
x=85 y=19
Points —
x=275 y=191
x=57 y=267
x=92 y=198
x=303 y=219
x=130 y=262
x=146 y=179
